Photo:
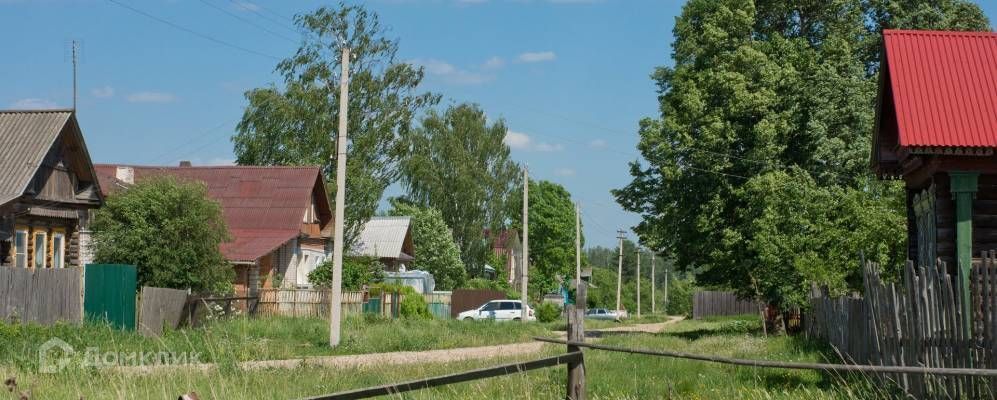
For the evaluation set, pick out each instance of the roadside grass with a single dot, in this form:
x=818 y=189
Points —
x=278 y=338
x=609 y=375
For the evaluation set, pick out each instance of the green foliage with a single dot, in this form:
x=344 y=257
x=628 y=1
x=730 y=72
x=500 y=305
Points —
x=548 y=312
x=502 y=286
x=357 y=272
x=756 y=174
x=459 y=164
x=552 y=235
x=291 y=123
x=414 y=307
x=436 y=251
x=680 y=292
x=170 y=230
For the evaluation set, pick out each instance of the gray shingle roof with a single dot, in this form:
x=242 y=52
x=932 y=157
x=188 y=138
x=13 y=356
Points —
x=383 y=237
x=25 y=138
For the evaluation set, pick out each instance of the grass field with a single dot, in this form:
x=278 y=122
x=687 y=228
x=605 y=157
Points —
x=610 y=375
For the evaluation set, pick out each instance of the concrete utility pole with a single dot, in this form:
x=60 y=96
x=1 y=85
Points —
x=578 y=245
x=619 y=270
x=523 y=284
x=666 y=290
x=653 y=307
x=337 y=251
x=637 y=250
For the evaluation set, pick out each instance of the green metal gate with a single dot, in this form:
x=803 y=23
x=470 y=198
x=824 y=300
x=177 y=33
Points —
x=110 y=294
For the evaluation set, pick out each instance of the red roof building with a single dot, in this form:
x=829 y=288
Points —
x=278 y=217
x=936 y=128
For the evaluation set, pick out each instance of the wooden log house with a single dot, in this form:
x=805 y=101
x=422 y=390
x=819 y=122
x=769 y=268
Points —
x=47 y=189
x=936 y=129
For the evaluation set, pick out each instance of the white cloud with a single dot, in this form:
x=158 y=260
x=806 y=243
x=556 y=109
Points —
x=103 y=92
x=539 y=56
x=451 y=74
x=597 y=144
x=564 y=172
x=522 y=141
x=33 y=104
x=493 y=63
x=151 y=97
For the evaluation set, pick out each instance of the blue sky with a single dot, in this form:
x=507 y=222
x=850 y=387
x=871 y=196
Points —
x=570 y=77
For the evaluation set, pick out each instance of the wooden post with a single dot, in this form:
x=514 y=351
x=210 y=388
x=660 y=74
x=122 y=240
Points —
x=963 y=187
x=576 y=333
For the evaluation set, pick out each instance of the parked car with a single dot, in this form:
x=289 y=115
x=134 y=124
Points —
x=499 y=310
x=602 y=313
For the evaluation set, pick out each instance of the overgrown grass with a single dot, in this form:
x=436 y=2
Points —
x=267 y=339
x=609 y=375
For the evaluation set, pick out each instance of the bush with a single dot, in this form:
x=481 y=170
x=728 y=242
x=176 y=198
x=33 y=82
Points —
x=170 y=230
x=357 y=272
x=414 y=306
x=548 y=312
x=680 y=293
x=502 y=286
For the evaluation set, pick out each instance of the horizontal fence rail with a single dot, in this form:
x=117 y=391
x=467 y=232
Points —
x=976 y=372
x=490 y=372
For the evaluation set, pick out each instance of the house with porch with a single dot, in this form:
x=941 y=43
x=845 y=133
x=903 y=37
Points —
x=48 y=187
x=279 y=217
x=936 y=129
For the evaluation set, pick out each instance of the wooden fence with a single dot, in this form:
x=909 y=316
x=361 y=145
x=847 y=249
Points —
x=41 y=296
x=160 y=308
x=467 y=299
x=305 y=302
x=918 y=323
x=713 y=303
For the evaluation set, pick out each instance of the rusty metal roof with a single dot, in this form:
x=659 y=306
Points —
x=943 y=87
x=25 y=137
x=263 y=206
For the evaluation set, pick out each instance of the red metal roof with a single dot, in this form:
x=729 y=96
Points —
x=943 y=87
x=263 y=206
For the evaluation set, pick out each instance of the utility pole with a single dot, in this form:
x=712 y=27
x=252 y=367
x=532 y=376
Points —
x=619 y=270
x=666 y=290
x=653 y=307
x=637 y=250
x=523 y=284
x=578 y=245
x=337 y=252
x=76 y=46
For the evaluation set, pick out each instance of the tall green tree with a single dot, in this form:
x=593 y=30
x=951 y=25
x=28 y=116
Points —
x=170 y=230
x=552 y=235
x=436 y=251
x=778 y=95
x=459 y=165
x=296 y=123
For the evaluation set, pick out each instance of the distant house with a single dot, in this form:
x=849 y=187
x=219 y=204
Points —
x=389 y=239
x=278 y=217
x=507 y=244
x=47 y=188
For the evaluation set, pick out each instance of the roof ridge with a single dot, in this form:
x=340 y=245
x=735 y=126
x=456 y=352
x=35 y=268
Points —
x=211 y=166
x=36 y=110
x=890 y=32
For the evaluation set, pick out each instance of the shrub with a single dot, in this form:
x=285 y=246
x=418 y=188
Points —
x=680 y=293
x=548 y=312
x=357 y=272
x=414 y=306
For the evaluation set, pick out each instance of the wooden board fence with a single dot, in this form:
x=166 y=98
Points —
x=305 y=303
x=921 y=323
x=708 y=303
x=160 y=308
x=42 y=296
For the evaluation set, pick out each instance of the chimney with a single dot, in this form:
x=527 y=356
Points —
x=125 y=174
x=185 y=164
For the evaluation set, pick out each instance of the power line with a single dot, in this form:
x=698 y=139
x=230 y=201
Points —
x=191 y=140
x=255 y=9
x=193 y=32
x=240 y=18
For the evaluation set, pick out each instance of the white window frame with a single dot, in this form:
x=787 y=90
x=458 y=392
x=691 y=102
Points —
x=44 y=249
x=21 y=250
x=59 y=252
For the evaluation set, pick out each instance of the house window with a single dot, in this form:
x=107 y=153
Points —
x=40 y=250
x=58 y=250
x=21 y=249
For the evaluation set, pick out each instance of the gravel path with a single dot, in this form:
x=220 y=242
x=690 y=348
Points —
x=400 y=357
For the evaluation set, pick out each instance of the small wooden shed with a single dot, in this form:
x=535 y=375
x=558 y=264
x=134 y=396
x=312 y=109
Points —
x=936 y=129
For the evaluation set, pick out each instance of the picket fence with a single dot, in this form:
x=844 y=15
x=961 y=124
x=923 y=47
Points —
x=305 y=303
x=918 y=323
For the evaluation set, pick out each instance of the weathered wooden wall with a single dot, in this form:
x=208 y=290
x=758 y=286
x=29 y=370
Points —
x=919 y=322
x=43 y=296
x=709 y=303
x=160 y=308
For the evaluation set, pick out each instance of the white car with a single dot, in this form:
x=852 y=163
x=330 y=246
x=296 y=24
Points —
x=498 y=310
